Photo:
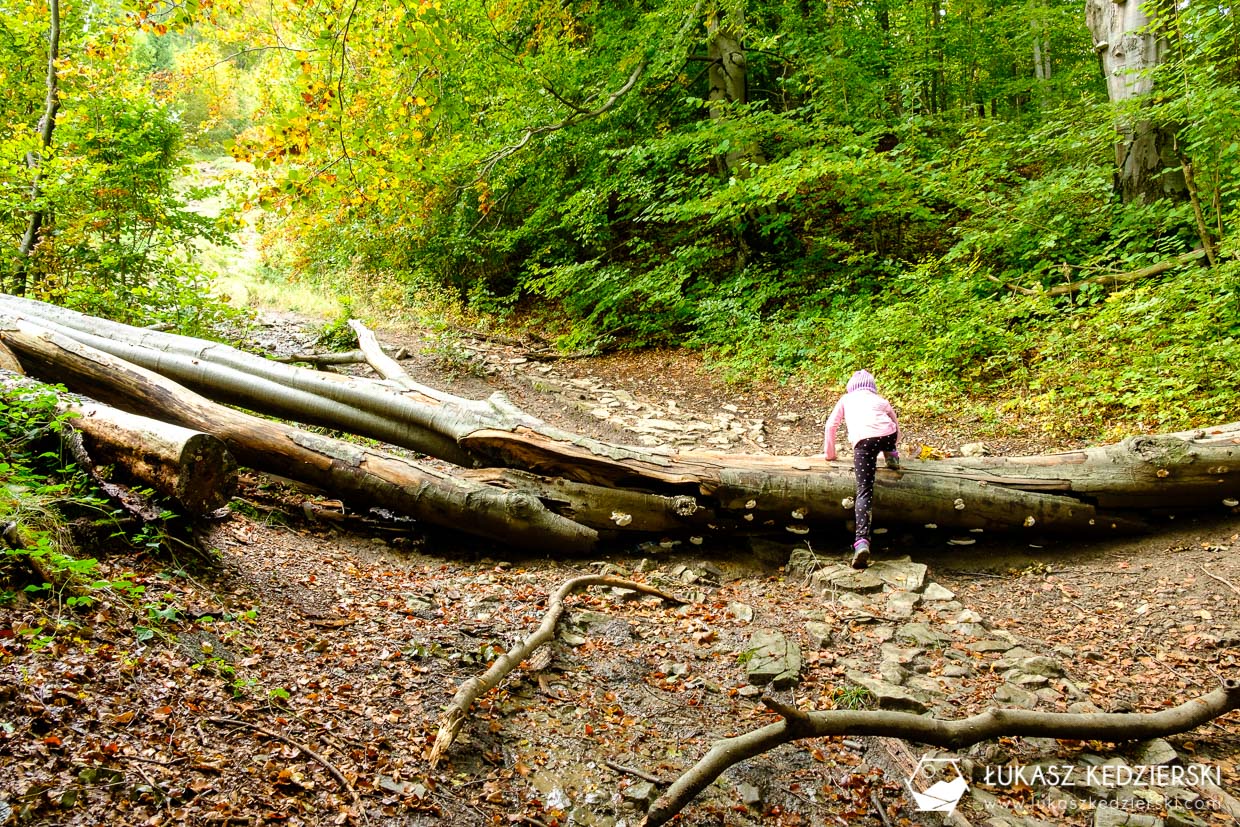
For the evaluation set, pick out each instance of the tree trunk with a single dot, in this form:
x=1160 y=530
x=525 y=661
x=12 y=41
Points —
x=356 y=473
x=47 y=125
x=189 y=466
x=619 y=490
x=1131 y=45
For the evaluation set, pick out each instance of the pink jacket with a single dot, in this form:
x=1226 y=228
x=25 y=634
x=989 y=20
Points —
x=867 y=415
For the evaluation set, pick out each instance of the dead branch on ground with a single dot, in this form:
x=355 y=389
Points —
x=472 y=689
x=957 y=734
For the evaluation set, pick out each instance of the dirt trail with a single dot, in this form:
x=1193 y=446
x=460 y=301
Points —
x=346 y=634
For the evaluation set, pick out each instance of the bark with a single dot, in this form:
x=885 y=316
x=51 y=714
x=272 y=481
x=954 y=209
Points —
x=190 y=466
x=1131 y=45
x=957 y=734
x=47 y=125
x=474 y=688
x=622 y=489
x=354 y=472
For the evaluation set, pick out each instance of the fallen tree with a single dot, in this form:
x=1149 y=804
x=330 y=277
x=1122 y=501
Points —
x=355 y=472
x=619 y=490
x=191 y=467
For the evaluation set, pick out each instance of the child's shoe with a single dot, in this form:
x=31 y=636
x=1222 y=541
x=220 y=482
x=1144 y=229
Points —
x=893 y=460
x=861 y=554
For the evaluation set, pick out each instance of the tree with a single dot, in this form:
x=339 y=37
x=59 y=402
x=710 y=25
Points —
x=1131 y=41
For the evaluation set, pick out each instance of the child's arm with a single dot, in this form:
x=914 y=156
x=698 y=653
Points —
x=833 y=424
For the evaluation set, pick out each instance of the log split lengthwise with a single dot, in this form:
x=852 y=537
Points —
x=614 y=492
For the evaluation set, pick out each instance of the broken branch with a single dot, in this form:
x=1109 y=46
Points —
x=474 y=688
x=1100 y=726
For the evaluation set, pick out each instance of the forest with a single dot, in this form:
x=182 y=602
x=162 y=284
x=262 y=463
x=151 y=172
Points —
x=551 y=544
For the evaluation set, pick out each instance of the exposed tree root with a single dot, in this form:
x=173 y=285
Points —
x=1099 y=726
x=468 y=692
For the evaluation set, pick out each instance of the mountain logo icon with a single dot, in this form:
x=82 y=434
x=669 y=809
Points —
x=937 y=785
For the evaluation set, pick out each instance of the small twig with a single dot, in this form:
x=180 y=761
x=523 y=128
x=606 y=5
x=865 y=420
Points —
x=1169 y=668
x=878 y=808
x=1219 y=579
x=642 y=774
x=328 y=765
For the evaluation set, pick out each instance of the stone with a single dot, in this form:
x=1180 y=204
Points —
x=740 y=611
x=901 y=655
x=773 y=659
x=819 y=634
x=845 y=578
x=1155 y=753
x=901 y=573
x=989 y=645
x=936 y=592
x=893 y=673
x=974 y=630
x=1011 y=695
x=1180 y=817
x=1106 y=816
x=957 y=671
x=889 y=696
x=1013 y=657
x=900 y=604
x=1040 y=665
x=642 y=793
x=750 y=795
x=969 y=616
x=922 y=635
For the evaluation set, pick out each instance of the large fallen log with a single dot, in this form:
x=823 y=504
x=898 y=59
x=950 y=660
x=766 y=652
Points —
x=360 y=474
x=190 y=466
x=1090 y=492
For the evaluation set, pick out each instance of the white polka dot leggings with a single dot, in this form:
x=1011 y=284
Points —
x=865 y=459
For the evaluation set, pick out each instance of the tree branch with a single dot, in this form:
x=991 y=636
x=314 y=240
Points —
x=468 y=692
x=1108 y=279
x=494 y=158
x=1113 y=727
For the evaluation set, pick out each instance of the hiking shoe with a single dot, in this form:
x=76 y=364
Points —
x=861 y=554
x=893 y=460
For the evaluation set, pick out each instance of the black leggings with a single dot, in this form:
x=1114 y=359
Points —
x=865 y=459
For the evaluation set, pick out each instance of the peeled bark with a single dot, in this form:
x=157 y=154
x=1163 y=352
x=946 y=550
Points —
x=352 y=471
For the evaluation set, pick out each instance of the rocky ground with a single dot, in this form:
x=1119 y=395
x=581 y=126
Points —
x=299 y=678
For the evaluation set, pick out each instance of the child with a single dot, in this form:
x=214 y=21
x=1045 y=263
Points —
x=872 y=427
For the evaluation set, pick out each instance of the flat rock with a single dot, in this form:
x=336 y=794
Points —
x=889 y=696
x=901 y=573
x=819 y=633
x=922 y=635
x=900 y=604
x=990 y=645
x=936 y=592
x=1106 y=816
x=1155 y=753
x=1180 y=817
x=1011 y=695
x=844 y=578
x=740 y=611
x=773 y=659
x=900 y=654
x=1040 y=665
